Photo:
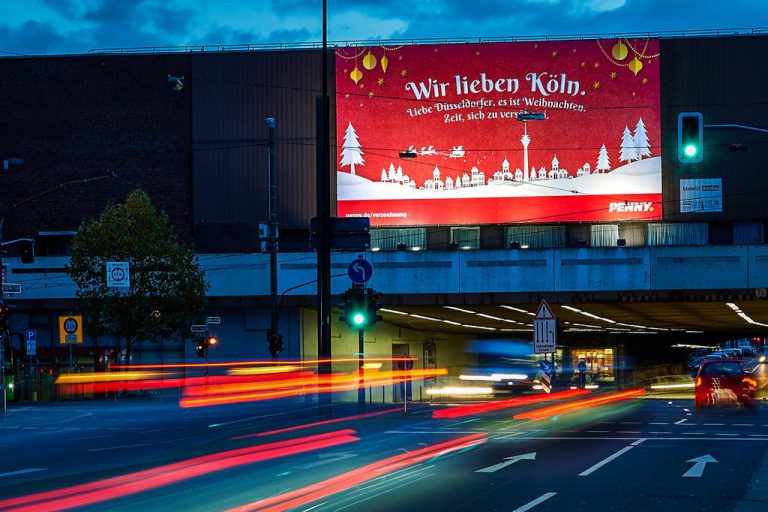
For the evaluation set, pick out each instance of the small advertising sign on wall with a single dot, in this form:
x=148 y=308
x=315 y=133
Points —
x=701 y=195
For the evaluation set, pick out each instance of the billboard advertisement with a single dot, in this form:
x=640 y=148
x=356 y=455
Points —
x=484 y=133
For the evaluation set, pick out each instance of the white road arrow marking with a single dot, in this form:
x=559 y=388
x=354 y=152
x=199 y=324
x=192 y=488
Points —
x=360 y=270
x=698 y=468
x=327 y=458
x=509 y=462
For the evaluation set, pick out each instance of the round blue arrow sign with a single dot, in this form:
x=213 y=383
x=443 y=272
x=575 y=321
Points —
x=360 y=271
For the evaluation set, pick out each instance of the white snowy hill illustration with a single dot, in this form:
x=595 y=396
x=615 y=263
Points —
x=639 y=177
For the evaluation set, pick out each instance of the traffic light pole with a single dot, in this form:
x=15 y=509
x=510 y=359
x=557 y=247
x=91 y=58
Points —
x=360 y=369
x=272 y=235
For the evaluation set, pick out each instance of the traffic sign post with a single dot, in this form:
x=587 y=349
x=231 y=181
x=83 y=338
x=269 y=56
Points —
x=118 y=274
x=360 y=271
x=544 y=330
x=31 y=338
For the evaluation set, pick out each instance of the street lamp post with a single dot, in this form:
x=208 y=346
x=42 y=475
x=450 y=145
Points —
x=272 y=239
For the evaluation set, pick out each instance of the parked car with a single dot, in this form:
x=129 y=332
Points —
x=723 y=382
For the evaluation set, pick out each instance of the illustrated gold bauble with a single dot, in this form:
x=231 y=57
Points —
x=369 y=61
x=619 y=51
x=635 y=65
x=384 y=63
x=356 y=75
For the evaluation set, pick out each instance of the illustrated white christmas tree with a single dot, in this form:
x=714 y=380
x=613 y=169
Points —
x=392 y=172
x=351 y=152
x=627 y=152
x=642 y=144
x=603 y=163
x=383 y=175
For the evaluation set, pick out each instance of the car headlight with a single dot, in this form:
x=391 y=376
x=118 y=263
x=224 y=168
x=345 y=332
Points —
x=762 y=359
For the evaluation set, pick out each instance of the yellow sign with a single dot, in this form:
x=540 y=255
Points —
x=70 y=329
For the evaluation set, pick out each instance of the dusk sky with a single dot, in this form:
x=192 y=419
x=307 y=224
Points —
x=39 y=27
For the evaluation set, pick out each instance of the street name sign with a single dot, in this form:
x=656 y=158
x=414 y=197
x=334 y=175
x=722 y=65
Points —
x=544 y=330
x=198 y=328
x=213 y=320
x=11 y=288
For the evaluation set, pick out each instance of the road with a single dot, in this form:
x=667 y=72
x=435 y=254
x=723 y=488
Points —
x=638 y=455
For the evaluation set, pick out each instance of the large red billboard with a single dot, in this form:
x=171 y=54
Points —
x=433 y=134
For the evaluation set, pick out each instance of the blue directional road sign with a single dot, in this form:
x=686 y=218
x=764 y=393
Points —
x=546 y=366
x=360 y=271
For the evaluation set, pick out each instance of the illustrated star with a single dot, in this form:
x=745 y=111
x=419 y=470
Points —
x=645 y=80
x=597 y=65
x=583 y=64
x=477 y=53
x=380 y=81
x=613 y=75
x=404 y=73
x=435 y=50
x=346 y=71
x=361 y=105
x=346 y=95
x=574 y=50
x=399 y=57
x=362 y=86
x=596 y=85
x=634 y=93
x=536 y=45
x=554 y=53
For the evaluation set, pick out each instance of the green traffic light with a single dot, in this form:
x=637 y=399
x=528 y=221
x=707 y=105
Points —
x=358 y=318
x=690 y=150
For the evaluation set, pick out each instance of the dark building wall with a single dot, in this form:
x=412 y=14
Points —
x=232 y=94
x=724 y=79
x=81 y=117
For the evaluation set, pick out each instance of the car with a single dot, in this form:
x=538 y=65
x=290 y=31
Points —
x=722 y=382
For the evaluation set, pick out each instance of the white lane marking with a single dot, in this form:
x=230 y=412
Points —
x=743 y=424
x=694 y=433
x=537 y=501
x=23 y=471
x=610 y=458
x=680 y=422
x=698 y=468
x=118 y=447
x=631 y=423
x=508 y=461
x=659 y=423
x=597 y=431
x=713 y=424
x=727 y=435
x=628 y=432
x=665 y=432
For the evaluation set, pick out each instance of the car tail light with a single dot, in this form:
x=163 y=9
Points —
x=698 y=381
x=749 y=381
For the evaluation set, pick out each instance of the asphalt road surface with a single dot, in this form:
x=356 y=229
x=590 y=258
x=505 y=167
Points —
x=638 y=455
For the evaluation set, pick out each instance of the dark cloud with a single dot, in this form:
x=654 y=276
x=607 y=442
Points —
x=33 y=38
x=66 y=8
x=112 y=11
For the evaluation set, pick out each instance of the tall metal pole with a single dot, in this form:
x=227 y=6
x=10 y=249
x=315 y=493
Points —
x=323 y=216
x=5 y=331
x=272 y=235
x=361 y=369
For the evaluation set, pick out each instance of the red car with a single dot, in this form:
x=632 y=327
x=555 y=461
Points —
x=724 y=381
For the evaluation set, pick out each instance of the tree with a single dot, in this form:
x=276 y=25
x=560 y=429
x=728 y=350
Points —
x=628 y=151
x=642 y=144
x=603 y=163
x=351 y=153
x=167 y=287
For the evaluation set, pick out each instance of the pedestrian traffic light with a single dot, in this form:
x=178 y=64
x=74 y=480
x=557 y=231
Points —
x=275 y=343
x=374 y=303
x=690 y=137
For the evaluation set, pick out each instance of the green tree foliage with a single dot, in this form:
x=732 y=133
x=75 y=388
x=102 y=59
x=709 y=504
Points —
x=167 y=286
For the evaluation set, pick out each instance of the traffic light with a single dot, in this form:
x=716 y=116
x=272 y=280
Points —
x=690 y=137
x=360 y=307
x=27 y=250
x=275 y=343
x=202 y=349
x=211 y=340
x=5 y=317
